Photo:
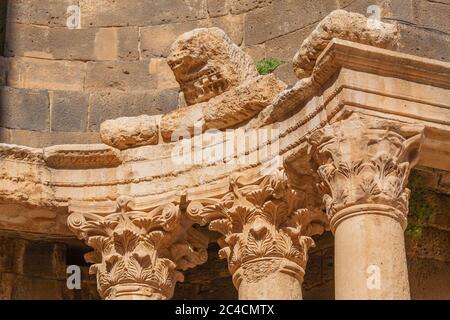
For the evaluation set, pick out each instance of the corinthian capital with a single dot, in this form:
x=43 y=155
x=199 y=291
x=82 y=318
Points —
x=366 y=161
x=138 y=249
x=264 y=228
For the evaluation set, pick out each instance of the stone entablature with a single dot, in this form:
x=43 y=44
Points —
x=357 y=125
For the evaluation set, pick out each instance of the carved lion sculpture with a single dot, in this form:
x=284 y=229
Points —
x=221 y=87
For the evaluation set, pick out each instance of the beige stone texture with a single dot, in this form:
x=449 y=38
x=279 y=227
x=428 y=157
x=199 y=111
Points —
x=266 y=238
x=141 y=258
x=346 y=139
x=106 y=13
x=161 y=71
x=206 y=63
x=125 y=76
x=34 y=73
x=362 y=165
x=124 y=133
x=347 y=26
x=226 y=110
x=62 y=43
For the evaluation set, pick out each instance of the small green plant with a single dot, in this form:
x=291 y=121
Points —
x=420 y=207
x=267 y=66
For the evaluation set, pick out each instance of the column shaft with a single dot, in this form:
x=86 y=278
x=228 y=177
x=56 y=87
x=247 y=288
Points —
x=370 y=257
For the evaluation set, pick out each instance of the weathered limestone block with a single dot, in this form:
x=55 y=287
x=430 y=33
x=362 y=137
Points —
x=125 y=76
x=266 y=234
x=139 y=248
x=220 y=84
x=156 y=40
x=32 y=73
x=39 y=139
x=206 y=64
x=217 y=8
x=424 y=42
x=69 y=111
x=126 y=132
x=241 y=6
x=40 y=12
x=364 y=160
x=165 y=79
x=272 y=19
x=427 y=15
x=347 y=26
x=138 y=12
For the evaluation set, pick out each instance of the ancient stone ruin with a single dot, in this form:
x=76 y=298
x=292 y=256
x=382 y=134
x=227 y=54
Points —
x=285 y=189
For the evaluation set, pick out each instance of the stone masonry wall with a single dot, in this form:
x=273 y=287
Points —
x=58 y=84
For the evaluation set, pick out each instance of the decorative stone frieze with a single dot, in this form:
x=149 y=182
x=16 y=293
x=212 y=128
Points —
x=138 y=250
x=265 y=231
x=365 y=160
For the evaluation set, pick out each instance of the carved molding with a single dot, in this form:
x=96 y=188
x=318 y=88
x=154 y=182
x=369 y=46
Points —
x=138 y=251
x=365 y=161
x=264 y=227
x=80 y=156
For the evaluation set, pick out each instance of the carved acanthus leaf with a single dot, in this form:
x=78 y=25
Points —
x=261 y=219
x=364 y=160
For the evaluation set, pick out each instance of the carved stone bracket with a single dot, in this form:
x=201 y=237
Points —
x=365 y=161
x=138 y=249
x=264 y=227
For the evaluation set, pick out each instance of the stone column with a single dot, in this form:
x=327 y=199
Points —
x=138 y=249
x=266 y=235
x=363 y=165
